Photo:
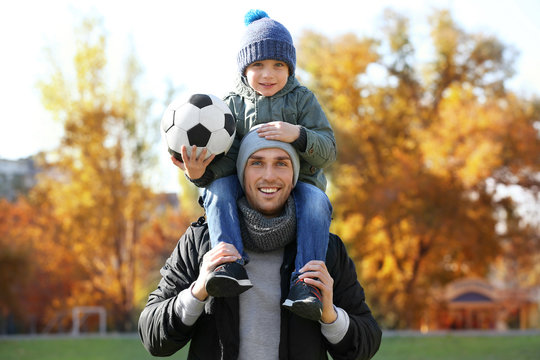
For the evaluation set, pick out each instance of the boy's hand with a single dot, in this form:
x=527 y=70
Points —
x=279 y=130
x=218 y=255
x=193 y=165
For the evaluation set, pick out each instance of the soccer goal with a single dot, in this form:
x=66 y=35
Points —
x=81 y=313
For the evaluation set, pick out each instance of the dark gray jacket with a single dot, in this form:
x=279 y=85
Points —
x=215 y=335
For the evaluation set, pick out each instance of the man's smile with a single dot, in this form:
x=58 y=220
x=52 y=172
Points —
x=268 y=190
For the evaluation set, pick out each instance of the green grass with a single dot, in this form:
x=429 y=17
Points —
x=84 y=348
x=449 y=347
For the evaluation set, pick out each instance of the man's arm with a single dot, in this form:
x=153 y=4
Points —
x=161 y=331
x=363 y=337
x=165 y=324
x=346 y=321
x=334 y=320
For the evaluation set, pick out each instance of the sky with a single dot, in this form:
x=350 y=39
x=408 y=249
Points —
x=193 y=44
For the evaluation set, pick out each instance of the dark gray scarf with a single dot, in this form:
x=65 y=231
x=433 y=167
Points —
x=261 y=234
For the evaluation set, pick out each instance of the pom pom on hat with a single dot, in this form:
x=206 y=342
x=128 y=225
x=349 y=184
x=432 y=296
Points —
x=254 y=15
x=265 y=39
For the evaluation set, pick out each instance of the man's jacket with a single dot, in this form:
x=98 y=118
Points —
x=215 y=335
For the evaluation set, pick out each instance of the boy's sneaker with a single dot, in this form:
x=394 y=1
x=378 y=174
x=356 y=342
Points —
x=304 y=300
x=229 y=279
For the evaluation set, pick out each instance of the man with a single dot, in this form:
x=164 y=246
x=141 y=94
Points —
x=253 y=325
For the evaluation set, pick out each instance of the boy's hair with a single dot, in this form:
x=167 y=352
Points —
x=265 y=39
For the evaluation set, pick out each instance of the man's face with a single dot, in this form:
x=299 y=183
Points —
x=268 y=179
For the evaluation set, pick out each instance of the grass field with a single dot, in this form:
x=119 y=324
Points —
x=448 y=347
x=451 y=347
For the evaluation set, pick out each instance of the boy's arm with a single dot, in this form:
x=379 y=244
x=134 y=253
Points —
x=320 y=144
x=194 y=166
x=225 y=165
x=312 y=136
x=202 y=172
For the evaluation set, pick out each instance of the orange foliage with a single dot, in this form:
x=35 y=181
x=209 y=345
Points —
x=417 y=149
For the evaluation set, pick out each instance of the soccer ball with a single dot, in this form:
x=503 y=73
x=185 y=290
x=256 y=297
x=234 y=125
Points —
x=203 y=120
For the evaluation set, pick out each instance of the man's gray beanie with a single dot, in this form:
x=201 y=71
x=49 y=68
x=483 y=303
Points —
x=252 y=143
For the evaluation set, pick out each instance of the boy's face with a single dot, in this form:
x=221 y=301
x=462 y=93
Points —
x=267 y=77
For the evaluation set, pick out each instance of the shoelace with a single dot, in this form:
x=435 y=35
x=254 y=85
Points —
x=315 y=291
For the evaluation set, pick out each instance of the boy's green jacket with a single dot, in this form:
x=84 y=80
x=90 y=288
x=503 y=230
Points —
x=294 y=104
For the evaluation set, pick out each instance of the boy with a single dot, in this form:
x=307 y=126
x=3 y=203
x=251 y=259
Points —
x=268 y=95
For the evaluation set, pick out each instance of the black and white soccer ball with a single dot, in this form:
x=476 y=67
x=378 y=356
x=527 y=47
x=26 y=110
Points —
x=203 y=120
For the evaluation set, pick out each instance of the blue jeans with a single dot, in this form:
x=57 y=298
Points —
x=313 y=216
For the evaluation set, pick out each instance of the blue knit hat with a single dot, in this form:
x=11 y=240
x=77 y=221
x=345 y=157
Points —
x=265 y=39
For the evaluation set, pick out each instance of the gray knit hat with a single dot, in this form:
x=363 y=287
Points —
x=265 y=39
x=252 y=143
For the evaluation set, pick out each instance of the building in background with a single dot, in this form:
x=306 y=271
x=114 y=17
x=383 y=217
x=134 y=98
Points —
x=476 y=304
x=16 y=177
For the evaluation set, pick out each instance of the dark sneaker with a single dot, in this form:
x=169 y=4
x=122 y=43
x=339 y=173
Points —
x=229 y=279
x=304 y=300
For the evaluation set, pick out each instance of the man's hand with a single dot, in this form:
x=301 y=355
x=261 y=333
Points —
x=220 y=254
x=279 y=130
x=315 y=273
x=193 y=165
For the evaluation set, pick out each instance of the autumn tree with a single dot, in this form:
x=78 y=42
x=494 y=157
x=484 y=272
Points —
x=95 y=181
x=422 y=148
x=14 y=259
x=34 y=270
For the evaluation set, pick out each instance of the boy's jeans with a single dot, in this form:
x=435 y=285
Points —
x=313 y=216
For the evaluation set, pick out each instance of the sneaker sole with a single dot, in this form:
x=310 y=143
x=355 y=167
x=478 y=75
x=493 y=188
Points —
x=303 y=309
x=226 y=286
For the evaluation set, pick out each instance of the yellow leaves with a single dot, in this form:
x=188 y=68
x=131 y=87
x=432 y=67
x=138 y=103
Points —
x=92 y=189
x=480 y=164
x=90 y=60
x=397 y=30
x=335 y=67
x=349 y=228
x=446 y=36
x=55 y=95
x=415 y=150
x=464 y=141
